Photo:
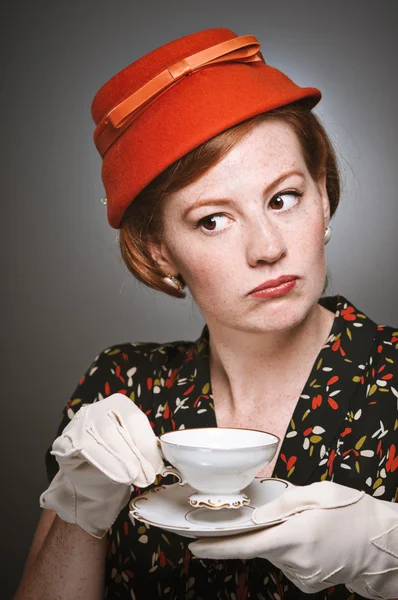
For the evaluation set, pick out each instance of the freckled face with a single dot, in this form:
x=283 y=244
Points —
x=251 y=232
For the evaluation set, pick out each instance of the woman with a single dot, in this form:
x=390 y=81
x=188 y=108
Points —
x=221 y=179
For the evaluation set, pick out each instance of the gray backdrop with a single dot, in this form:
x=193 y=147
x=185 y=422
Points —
x=65 y=294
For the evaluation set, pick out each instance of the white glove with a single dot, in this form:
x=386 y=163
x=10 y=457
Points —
x=331 y=534
x=107 y=447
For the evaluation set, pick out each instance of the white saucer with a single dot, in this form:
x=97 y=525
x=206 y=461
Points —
x=167 y=507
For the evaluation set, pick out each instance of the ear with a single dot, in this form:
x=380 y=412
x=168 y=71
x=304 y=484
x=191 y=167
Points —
x=321 y=183
x=162 y=256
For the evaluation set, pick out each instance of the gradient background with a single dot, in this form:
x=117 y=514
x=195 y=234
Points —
x=66 y=294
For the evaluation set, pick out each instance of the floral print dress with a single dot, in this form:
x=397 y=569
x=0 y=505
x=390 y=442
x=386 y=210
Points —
x=343 y=428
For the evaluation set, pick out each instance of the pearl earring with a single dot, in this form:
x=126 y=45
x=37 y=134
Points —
x=173 y=281
x=328 y=234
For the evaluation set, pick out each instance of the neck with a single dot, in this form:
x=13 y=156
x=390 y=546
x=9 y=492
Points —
x=247 y=367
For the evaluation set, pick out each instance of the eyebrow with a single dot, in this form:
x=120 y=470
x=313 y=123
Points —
x=269 y=188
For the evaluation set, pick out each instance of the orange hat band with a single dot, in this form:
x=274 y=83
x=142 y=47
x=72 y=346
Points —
x=243 y=49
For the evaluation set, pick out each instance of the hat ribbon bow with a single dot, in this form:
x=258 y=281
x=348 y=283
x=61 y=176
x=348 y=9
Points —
x=243 y=49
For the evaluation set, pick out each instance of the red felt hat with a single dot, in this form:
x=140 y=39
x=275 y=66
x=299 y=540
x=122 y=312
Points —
x=176 y=97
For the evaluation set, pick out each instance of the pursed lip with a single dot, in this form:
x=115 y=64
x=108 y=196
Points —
x=274 y=282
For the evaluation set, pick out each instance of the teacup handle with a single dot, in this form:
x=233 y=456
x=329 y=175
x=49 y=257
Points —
x=169 y=470
x=173 y=471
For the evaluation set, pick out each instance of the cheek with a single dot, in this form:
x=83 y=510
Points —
x=309 y=239
x=207 y=271
x=203 y=264
x=194 y=264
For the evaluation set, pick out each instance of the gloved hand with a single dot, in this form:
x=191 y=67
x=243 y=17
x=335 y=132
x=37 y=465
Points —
x=330 y=534
x=107 y=447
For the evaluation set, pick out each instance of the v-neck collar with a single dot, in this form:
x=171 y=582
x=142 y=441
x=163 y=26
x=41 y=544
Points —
x=321 y=406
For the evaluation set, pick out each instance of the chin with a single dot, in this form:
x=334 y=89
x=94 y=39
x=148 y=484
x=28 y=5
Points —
x=283 y=313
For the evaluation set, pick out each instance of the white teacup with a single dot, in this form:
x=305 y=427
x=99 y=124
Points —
x=218 y=462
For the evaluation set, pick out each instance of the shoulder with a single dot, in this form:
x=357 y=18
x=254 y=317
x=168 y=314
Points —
x=139 y=358
x=360 y=335
x=387 y=336
x=374 y=350
x=370 y=360
x=383 y=360
x=126 y=368
x=378 y=387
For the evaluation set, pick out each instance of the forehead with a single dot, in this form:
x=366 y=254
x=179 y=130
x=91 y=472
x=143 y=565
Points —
x=268 y=150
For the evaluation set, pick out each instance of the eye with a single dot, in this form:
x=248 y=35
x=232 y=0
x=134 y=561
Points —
x=210 y=219
x=281 y=206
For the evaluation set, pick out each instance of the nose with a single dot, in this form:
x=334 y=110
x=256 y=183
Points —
x=265 y=242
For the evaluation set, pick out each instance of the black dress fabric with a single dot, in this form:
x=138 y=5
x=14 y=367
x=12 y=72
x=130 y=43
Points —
x=343 y=428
